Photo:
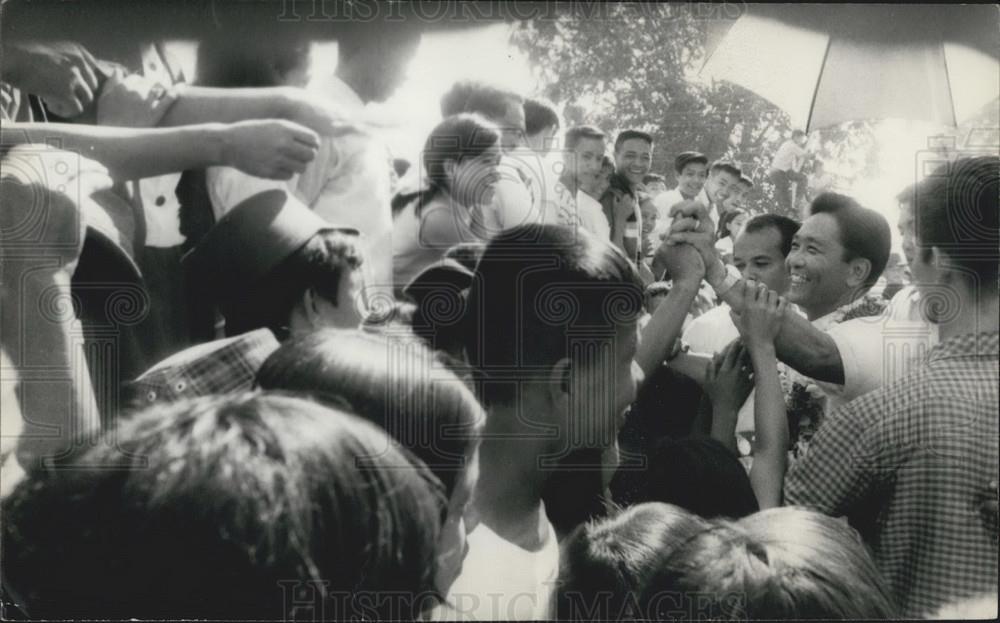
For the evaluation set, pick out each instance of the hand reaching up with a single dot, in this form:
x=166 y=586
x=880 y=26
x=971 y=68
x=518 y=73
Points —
x=759 y=322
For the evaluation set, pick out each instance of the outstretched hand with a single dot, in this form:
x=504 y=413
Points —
x=62 y=73
x=269 y=148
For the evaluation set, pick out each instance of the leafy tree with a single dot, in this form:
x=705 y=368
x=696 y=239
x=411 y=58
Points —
x=621 y=66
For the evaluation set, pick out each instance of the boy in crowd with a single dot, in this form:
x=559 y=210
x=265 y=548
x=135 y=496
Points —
x=785 y=171
x=633 y=159
x=275 y=269
x=909 y=464
x=691 y=169
x=655 y=185
x=571 y=200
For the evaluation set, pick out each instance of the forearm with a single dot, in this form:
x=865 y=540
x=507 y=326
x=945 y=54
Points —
x=56 y=398
x=129 y=153
x=799 y=344
x=197 y=105
x=723 y=426
x=665 y=326
x=771 y=439
x=692 y=365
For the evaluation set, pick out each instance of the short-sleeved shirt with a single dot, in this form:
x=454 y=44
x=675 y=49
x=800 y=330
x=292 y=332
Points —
x=909 y=465
x=789 y=157
x=419 y=240
x=501 y=581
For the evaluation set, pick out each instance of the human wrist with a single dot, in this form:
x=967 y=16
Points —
x=219 y=143
x=761 y=351
x=715 y=273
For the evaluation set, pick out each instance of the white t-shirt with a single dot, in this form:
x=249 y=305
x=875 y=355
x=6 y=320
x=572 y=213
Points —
x=666 y=200
x=789 y=157
x=591 y=215
x=875 y=350
x=501 y=581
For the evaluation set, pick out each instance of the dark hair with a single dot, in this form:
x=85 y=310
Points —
x=607 y=163
x=579 y=132
x=605 y=563
x=532 y=285
x=228 y=62
x=797 y=133
x=727 y=167
x=686 y=158
x=782 y=563
x=726 y=219
x=626 y=135
x=864 y=233
x=399 y=386
x=215 y=507
x=319 y=265
x=746 y=181
x=698 y=474
x=538 y=115
x=471 y=96
x=785 y=226
x=400 y=166
x=956 y=211
x=907 y=195
x=454 y=138
x=653 y=177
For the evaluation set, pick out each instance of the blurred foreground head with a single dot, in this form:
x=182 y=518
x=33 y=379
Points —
x=225 y=507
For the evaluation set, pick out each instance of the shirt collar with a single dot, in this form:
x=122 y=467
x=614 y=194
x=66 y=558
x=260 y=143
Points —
x=968 y=345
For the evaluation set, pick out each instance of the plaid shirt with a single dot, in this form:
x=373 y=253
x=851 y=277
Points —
x=218 y=367
x=910 y=465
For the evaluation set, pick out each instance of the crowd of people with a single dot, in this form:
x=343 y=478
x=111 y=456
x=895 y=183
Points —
x=256 y=367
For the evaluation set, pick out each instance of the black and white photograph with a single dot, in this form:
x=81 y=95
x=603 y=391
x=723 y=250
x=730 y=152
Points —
x=443 y=310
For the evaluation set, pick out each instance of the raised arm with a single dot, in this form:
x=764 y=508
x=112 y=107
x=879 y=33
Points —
x=662 y=331
x=264 y=148
x=800 y=345
x=758 y=324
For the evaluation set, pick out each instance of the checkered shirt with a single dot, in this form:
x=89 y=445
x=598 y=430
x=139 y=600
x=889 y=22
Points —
x=910 y=465
x=218 y=367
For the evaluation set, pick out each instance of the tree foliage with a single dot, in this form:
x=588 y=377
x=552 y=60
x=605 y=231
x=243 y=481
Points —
x=635 y=66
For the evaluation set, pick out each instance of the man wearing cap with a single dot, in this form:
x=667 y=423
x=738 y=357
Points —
x=275 y=269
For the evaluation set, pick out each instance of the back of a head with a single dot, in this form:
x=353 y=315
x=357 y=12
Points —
x=956 y=211
x=604 y=563
x=782 y=563
x=539 y=114
x=225 y=61
x=218 y=508
x=398 y=385
x=320 y=265
x=534 y=287
x=786 y=228
x=864 y=233
x=471 y=96
x=697 y=474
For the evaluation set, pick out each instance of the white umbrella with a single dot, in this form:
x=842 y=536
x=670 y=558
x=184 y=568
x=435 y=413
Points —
x=825 y=65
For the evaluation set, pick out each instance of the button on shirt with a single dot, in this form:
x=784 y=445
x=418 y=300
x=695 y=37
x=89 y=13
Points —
x=909 y=465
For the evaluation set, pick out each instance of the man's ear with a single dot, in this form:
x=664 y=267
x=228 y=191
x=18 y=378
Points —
x=449 y=168
x=309 y=304
x=560 y=382
x=859 y=269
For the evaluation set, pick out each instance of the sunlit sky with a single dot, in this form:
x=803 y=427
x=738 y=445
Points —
x=486 y=53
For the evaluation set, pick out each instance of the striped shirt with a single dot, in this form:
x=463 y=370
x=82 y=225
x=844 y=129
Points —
x=910 y=465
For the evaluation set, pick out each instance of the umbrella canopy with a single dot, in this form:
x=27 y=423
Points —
x=825 y=65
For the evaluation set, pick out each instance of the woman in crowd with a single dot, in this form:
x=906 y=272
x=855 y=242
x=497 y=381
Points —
x=605 y=563
x=730 y=225
x=403 y=388
x=461 y=159
x=782 y=563
x=243 y=506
